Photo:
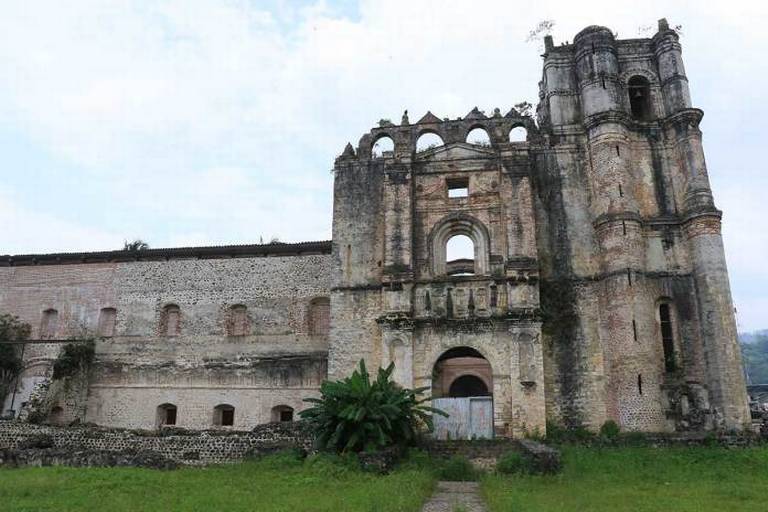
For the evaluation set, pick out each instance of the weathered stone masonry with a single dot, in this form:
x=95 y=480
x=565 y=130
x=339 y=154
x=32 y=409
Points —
x=596 y=287
x=278 y=363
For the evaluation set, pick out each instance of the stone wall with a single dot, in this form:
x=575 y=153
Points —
x=280 y=361
x=182 y=447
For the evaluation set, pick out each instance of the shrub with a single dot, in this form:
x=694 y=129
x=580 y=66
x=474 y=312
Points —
x=558 y=434
x=609 y=430
x=75 y=357
x=457 y=469
x=357 y=414
x=634 y=438
x=511 y=463
x=11 y=329
x=283 y=459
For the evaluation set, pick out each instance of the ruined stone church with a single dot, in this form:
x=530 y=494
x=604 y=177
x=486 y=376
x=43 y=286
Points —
x=594 y=288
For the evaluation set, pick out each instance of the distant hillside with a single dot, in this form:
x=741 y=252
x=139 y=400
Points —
x=754 y=350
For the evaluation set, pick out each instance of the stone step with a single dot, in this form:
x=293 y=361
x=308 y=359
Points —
x=452 y=495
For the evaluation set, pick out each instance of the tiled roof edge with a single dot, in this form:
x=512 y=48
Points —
x=209 y=252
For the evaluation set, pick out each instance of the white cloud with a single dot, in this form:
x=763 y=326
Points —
x=219 y=120
x=31 y=232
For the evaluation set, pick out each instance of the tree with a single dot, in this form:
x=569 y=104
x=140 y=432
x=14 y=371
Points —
x=542 y=28
x=136 y=245
x=357 y=414
x=11 y=330
x=755 y=355
x=75 y=358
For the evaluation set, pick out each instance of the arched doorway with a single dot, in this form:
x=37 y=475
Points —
x=467 y=369
x=462 y=386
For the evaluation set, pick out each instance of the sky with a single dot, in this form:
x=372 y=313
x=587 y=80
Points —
x=194 y=122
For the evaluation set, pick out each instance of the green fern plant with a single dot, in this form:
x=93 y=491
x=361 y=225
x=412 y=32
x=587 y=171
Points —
x=359 y=414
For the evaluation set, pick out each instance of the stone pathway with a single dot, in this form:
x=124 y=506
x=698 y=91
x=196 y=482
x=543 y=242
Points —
x=456 y=496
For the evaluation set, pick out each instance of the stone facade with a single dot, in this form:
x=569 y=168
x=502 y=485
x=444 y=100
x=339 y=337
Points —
x=595 y=287
x=279 y=361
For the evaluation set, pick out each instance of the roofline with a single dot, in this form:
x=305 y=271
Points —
x=171 y=253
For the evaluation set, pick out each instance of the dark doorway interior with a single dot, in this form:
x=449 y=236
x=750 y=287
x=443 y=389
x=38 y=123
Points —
x=468 y=385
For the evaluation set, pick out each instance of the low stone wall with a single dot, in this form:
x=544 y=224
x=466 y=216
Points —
x=484 y=453
x=172 y=444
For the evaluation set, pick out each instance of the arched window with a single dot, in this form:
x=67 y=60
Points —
x=170 y=320
x=107 y=317
x=237 y=321
x=518 y=134
x=639 y=97
x=49 y=324
x=667 y=337
x=383 y=147
x=460 y=256
x=479 y=137
x=476 y=260
x=427 y=141
x=282 y=413
x=166 y=415
x=319 y=316
x=224 y=415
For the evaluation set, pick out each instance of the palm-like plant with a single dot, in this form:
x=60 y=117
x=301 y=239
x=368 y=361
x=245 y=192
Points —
x=136 y=245
x=356 y=414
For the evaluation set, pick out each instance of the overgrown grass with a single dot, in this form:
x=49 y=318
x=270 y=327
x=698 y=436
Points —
x=639 y=479
x=278 y=483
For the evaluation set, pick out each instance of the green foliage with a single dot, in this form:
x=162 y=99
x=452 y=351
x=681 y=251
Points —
x=534 y=434
x=524 y=108
x=278 y=483
x=75 y=358
x=457 y=469
x=558 y=434
x=755 y=355
x=609 y=430
x=357 y=414
x=686 y=479
x=11 y=329
x=136 y=245
x=511 y=463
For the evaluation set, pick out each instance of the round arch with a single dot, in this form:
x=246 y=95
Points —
x=468 y=385
x=486 y=141
x=462 y=362
x=422 y=133
x=459 y=224
x=382 y=140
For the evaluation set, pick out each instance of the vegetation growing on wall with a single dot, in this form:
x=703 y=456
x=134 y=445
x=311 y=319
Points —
x=11 y=330
x=359 y=414
x=75 y=359
x=558 y=309
x=560 y=324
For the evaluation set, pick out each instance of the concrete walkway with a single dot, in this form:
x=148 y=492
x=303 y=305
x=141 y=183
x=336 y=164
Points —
x=450 y=496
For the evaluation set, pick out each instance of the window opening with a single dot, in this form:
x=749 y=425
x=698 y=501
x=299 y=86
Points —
x=457 y=187
x=667 y=337
x=460 y=256
x=639 y=98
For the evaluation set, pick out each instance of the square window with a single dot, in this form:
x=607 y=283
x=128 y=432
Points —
x=458 y=187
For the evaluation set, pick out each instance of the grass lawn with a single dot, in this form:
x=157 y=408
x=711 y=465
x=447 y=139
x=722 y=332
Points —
x=640 y=479
x=274 y=484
